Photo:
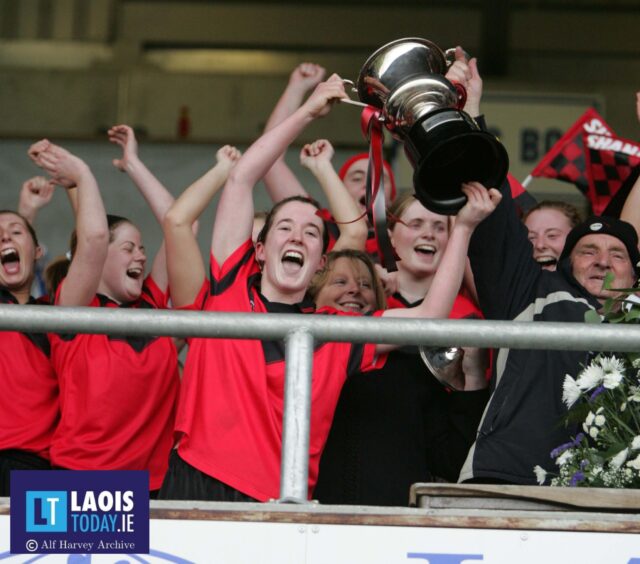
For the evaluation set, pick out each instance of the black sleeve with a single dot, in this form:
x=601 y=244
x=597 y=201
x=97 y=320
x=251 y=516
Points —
x=451 y=420
x=482 y=123
x=502 y=261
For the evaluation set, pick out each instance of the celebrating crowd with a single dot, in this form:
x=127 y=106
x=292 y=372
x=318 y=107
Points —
x=381 y=417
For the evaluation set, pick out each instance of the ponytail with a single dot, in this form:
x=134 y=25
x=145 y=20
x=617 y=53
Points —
x=57 y=270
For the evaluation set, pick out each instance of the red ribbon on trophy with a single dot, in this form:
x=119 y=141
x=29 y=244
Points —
x=375 y=200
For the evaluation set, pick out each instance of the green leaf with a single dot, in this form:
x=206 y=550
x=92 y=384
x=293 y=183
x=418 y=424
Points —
x=633 y=314
x=610 y=305
x=633 y=357
x=592 y=316
x=609 y=277
x=578 y=413
x=618 y=317
x=613 y=450
x=625 y=290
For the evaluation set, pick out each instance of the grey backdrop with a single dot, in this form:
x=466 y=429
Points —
x=176 y=166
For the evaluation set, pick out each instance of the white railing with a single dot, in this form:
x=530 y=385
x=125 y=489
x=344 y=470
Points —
x=300 y=332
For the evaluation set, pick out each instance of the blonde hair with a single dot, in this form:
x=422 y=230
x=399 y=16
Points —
x=320 y=279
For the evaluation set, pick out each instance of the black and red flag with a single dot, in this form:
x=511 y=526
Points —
x=566 y=160
x=610 y=160
x=524 y=200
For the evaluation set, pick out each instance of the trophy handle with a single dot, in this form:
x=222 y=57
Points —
x=348 y=100
x=450 y=56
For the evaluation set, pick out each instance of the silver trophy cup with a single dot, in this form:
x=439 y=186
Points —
x=422 y=109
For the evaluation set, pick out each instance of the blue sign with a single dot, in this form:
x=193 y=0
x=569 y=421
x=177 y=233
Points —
x=79 y=512
x=444 y=558
x=46 y=512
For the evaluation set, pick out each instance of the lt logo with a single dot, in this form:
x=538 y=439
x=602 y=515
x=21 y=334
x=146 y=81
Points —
x=46 y=511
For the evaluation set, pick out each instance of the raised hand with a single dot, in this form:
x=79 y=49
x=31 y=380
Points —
x=64 y=168
x=228 y=156
x=306 y=76
x=324 y=96
x=480 y=203
x=389 y=280
x=459 y=71
x=124 y=136
x=314 y=154
x=35 y=149
x=35 y=194
x=474 y=90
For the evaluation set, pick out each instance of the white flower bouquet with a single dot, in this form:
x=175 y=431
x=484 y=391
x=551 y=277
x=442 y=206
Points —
x=604 y=400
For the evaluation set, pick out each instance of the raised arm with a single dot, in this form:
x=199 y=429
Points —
x=85 y=270
x=466 y=72
x=631 y=209
x=446 y=283
x=234 y=215
x=184 y=262
x=35 y=194
x=474 y=90
x=316 y=157
x=280 y=180
x=154 y=192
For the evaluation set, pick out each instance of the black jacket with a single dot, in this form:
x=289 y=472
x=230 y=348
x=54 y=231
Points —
x=523 y=419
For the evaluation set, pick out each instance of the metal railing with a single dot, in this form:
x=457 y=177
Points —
x=301 y=331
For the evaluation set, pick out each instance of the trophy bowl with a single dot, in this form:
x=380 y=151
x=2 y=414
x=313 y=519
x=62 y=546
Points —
x=405 y=80
x=396 y=63
x=445 y=363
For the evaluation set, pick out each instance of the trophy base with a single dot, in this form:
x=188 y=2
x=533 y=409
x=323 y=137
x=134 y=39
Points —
x=447 y=148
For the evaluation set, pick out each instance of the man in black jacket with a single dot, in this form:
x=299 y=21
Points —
x=523 y=419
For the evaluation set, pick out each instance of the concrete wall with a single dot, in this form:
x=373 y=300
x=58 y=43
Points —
x=69 y=69
x=176 y=165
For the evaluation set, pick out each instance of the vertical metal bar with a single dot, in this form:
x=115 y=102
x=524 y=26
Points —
x=296 y=420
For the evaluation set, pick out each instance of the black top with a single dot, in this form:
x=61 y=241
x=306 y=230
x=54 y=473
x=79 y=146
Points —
x=394 y=427
x=523 y=422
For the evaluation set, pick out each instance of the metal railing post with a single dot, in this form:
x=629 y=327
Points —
x=299 y=347
x=296 y=419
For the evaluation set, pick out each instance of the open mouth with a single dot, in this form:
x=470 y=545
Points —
x=135 y=273
x=546 y=261
x=293 y=261
x=425 y=249
x=352 y=306
x=10 y=260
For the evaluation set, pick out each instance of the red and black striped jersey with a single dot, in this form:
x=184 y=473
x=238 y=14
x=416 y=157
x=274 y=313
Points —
x=117 y=396
x=29 y=400
x=231 y=404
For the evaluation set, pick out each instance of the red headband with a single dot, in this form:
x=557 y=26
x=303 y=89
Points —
x=360 y=156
